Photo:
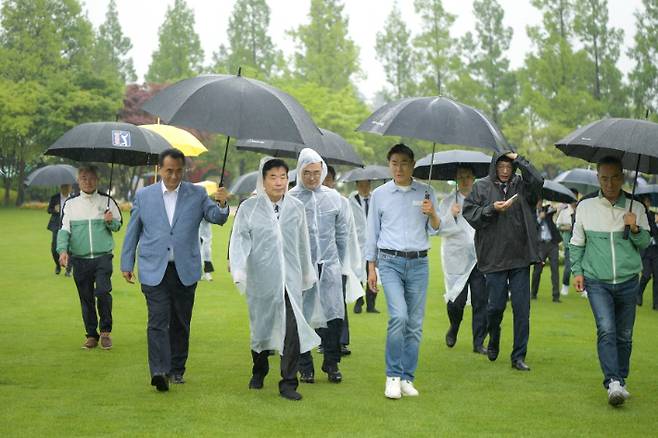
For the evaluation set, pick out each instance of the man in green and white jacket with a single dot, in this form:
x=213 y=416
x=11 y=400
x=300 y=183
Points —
x=86 y=238
x=607 y=265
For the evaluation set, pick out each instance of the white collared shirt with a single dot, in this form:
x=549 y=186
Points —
x=170 y=198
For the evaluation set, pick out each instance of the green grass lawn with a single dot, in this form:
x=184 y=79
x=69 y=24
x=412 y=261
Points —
x=49 y=386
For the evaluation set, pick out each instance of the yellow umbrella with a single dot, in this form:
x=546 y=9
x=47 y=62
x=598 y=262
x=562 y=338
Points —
x=210 y=186
x=179 y=138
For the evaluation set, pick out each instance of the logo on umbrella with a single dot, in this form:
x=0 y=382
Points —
x=121 y=139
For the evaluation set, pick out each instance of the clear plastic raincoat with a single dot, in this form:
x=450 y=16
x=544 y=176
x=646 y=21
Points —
x=457 y=247
x=205 y=236
x=328 y=229
x=269 y=257
x=353 y=265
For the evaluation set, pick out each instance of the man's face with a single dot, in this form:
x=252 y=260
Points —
x=611 y=179
x=171 y=172
x=311 y=175
x=65 y=189
x=363 y=187
x=329 y=181
x=276 y=182
x=401 y=167
x=504 y=170
x=465 y=179
x=87 y=181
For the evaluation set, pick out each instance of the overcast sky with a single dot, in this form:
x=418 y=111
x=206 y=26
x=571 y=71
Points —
x=141 y=19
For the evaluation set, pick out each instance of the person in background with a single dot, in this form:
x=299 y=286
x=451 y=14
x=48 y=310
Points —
x=549 y=241
x=85 y=242
x=564 y=222
x=608 y=263
x=205 y=241
x=650 y=257
x=55 y=210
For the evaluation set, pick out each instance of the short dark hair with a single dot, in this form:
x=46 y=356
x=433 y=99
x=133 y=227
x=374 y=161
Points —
x=466 y=167
x=273 y=164
x=400 y=148
x=609 y=159
x=331 y=171
x=176 y=154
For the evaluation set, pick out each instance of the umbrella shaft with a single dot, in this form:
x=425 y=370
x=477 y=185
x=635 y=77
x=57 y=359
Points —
x=221 y=176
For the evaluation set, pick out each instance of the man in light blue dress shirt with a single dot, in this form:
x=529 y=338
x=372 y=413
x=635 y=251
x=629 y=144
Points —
x=402 y=217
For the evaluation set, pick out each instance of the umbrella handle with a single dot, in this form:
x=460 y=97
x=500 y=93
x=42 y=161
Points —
x=627 y=228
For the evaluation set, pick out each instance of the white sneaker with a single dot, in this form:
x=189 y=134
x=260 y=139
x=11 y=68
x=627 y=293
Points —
x=207 y=276
x=615 y=393
x=565 y=290
x=407 y=388
x=625 y=393
x=584 y=294
x=393 y=388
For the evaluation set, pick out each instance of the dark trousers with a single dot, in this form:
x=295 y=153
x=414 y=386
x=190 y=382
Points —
x=370 y=297
x=53 y=251
x=566 y=275
x=345 y=332
x=208 y=267
x=330 y=342
x=93 y=279
x=497 y=288
x=169 y=316
x=649 y=269
x=478 y=303
x=547 y=250
x=289 y=356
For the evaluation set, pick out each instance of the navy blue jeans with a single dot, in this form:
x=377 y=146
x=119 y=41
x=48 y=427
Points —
x=517 y=283
x=613 y=306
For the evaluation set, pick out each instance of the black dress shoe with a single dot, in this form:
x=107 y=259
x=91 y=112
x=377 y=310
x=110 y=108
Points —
x=160 y=382
x=256 y=382
x=480 y=349
x=492 y=350
x=451 y=338
x=58 y=269
x=556 y=300
x=291 y=394
x=67 y=273
x=372 y=311
x=534 y=297
x=333 y=374
x=520 y=365
x=306 y=377
x=358 y=307
x=176 y=379
x=345 y=351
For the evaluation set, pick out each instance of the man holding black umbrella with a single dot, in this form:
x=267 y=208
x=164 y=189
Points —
x=608 y=264
x=55 y=210
x=500 y=208
x=549 y=241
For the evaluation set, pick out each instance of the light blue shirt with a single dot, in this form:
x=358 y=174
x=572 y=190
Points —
x=395 y=220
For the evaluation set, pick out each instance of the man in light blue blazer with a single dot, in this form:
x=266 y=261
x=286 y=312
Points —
x=164 y=224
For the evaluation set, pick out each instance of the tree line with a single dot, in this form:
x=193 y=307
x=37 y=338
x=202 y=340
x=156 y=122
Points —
x=59 y=71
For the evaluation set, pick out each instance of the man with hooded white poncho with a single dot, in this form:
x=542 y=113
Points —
x=270 y=259
x=328 y=231
x=460 y=273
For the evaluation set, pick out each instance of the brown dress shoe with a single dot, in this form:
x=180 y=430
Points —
x=106 y=341
x=90 y=343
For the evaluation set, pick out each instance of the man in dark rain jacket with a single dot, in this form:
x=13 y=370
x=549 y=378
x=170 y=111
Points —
x=501 y=209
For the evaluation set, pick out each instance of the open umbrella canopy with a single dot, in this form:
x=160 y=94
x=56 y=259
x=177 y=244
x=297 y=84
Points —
x=52 y=175
x=181 y=139
x=369 y=173
x=110 y=142
x=556 y=192
x=436 y=119
x=210 y=186
x=583 y=180
x=333 y=148
x=446 y=164
x=633 y=141
x=245 y=184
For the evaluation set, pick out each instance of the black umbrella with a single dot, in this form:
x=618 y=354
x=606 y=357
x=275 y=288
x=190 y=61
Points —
x=245 y=184
x=236 y=107
x=110 y=142
x=52 y=175
x=583 y=180
x=556 y=192
x=446 y=163
x=633 y=141
x=368 y=173
x=333 y=148
x=436 y=119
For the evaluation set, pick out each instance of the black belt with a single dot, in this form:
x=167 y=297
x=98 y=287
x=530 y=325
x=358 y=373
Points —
x=406 y=254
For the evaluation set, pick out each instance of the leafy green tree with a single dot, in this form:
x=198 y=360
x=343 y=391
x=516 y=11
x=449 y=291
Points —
x=112 y=46
x=250 y=45
x=395 y=52
x=179 y=54
x=434 y=45
x=326 y=55
x=644 y=76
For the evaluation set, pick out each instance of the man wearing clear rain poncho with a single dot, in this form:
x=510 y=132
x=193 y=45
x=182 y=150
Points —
x=270 y=260
x=328 y=231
